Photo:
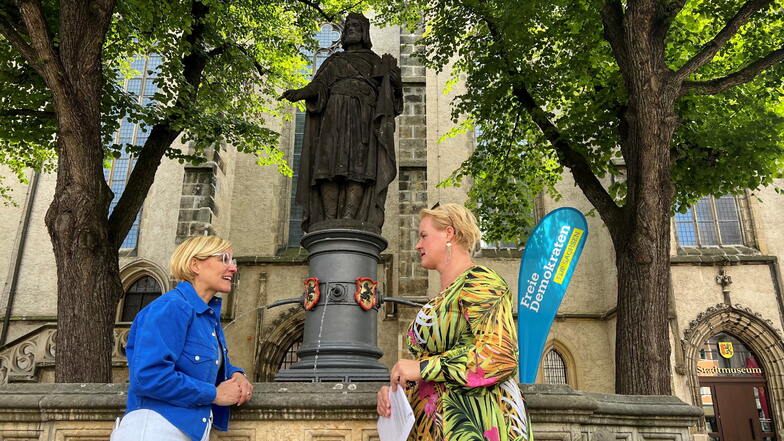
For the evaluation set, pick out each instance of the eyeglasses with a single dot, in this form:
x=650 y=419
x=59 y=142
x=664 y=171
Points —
x=226 y=258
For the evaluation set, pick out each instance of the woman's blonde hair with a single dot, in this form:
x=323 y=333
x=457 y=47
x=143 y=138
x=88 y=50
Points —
x=460 y=218
x=196 y=247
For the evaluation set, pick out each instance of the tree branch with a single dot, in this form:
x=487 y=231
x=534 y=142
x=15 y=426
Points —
x=672 y=10
x=581 y=170
x=17 y=39
x=612 y=22
x=666 y=15
x=742 y=76
x=316 y=6
x=46 y=61
x=162 y=134
x=220 y=50
x=706 y=54
x=261 y=70
x=28 y=112
x=330 y=18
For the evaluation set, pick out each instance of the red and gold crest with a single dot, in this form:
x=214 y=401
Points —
x=725 y=349
x=312 y=293
x=366 y=293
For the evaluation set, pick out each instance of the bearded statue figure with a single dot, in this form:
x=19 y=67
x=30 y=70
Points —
x=348 y=152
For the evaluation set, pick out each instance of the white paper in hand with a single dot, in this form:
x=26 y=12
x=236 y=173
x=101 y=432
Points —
x=399 y=424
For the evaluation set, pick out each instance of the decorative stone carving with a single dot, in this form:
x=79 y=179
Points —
x=20 y=361
x=768 y=322
x=688 y=334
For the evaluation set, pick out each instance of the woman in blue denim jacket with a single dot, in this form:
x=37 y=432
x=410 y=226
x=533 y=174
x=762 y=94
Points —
x=181 y=380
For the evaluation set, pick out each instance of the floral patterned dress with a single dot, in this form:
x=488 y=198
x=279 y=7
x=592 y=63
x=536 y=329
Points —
x=466 y=341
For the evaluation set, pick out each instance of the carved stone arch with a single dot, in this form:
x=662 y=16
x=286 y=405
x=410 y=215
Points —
x=756 y=332
x=143 y=267
x=277 y=339
x=564 y=350
x=134 y=271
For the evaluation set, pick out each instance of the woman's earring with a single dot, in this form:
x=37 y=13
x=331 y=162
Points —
x=448 y=252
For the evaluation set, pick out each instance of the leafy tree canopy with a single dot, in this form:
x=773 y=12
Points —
x=727 y=140
x=251 y=50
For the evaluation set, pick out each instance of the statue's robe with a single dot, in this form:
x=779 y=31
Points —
x=349 y=133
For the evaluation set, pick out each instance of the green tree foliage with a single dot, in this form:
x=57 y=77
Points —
x=252 y=50
x=726 y=140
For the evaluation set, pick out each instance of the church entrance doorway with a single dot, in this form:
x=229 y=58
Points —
x=733 y=392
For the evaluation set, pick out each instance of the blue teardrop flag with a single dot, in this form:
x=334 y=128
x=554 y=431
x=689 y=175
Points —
x=550 y=256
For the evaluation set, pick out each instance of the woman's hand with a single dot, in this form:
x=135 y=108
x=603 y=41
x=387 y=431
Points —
x=229 y=393
x=246 y=388
x=383 y=406
x=404 y=370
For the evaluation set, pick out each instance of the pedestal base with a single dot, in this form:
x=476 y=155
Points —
x=340 y=338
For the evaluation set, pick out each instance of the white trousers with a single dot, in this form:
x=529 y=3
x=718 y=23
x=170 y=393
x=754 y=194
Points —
x=148 y=425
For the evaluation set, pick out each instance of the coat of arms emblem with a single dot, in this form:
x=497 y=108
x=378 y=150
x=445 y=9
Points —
x=312 y=293
x=725 y=349
x=366 y=293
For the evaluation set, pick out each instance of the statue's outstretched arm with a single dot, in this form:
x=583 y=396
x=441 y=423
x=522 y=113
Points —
x=304 y=93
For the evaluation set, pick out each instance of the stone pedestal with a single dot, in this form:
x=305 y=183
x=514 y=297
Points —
x=340 y=339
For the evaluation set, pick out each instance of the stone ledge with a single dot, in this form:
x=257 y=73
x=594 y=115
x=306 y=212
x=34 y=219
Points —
x=412 y=163
x=644 y=410
x=331 y=401
x=409 y=80
x=721 y=259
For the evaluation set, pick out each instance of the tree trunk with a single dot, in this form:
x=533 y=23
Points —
x=88 y=282
x=88 y=275
x=642 y=248
x=642 y=235
x=642 y=345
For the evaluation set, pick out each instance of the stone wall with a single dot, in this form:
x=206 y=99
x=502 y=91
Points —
x=338 y=412
x=413 y=166
x=197 y=204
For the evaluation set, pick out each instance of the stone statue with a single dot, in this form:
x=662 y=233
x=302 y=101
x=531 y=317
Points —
x=348 y=153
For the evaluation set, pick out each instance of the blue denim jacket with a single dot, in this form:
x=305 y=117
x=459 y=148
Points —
x=173 y=360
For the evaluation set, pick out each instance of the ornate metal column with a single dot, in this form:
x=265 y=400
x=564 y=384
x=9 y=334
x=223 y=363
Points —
x=340 y=340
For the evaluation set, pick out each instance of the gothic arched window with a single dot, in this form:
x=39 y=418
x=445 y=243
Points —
x=554 y=369
x=139 y=295
x=290 y=357
x=142 y=87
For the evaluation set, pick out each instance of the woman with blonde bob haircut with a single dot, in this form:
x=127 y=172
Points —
x=462 y=383
x=181 y=380
x=197 y=247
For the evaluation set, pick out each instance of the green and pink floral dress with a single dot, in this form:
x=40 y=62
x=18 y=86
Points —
x=466 y=341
